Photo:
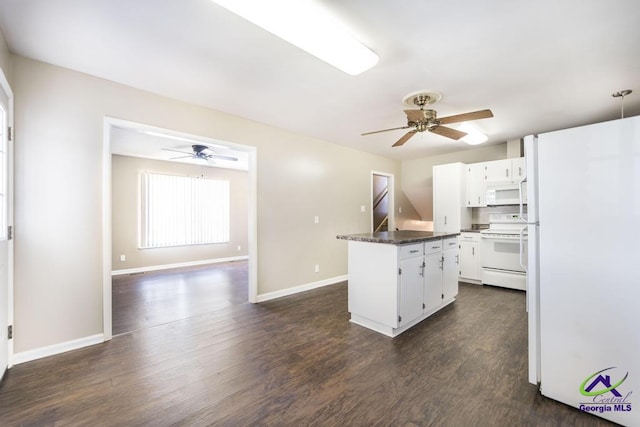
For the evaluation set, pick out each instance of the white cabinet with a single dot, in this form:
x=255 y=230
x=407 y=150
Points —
x=393 y=287
x=450 y=213
x=432 y=275
x=498 y=171
x=518 y=169
x=470 y=267
x=450 y=261
x=411 y=284
x=505 y=171
x=476 y=190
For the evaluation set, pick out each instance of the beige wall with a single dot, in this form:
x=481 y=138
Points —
x=125 y=172
x=417 y=174
x=58 y=213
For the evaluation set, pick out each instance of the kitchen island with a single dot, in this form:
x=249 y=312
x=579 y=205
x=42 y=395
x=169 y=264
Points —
x=399 y=278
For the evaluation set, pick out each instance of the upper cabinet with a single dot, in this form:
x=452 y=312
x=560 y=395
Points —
x=476 y=192
x=518 y=169
x=450 y=211
x=505 y=171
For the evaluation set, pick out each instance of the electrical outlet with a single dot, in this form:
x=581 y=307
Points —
x=363 y=208
x=317 y=269
x=239 y=247
x=400 y=209
x=316 y=219
x=123 y=258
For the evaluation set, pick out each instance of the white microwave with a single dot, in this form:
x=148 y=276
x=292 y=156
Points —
x=506 y=194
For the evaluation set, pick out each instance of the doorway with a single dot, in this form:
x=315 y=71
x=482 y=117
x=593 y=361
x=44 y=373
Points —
x=6 y=224
x=382 y=202
x=112 y=127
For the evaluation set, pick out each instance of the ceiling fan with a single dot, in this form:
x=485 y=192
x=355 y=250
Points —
x=199 y=154
x=422 y=120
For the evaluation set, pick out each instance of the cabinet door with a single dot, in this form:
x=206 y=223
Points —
x=475 y=185
x=469 y=260
x=450 y=273
x=450 y=213
x=498 y=171
x=518 y=168
x=444 y=197
x=411 y=289
x=433 y=280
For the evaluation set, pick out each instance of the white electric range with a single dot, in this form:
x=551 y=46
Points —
x=503 y=252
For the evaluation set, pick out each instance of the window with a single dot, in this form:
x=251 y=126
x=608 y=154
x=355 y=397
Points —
x=180 y=210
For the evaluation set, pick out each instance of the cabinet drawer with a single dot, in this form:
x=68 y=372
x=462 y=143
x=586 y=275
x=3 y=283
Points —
x=408 y=251
x=449 y=243
x=470 y=237
x=432 y=247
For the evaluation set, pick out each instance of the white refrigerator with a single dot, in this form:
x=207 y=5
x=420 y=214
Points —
x=583 y=253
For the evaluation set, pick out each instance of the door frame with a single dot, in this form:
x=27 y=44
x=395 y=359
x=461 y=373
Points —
x=391 y=224
x=109 y=123
x=4 y=83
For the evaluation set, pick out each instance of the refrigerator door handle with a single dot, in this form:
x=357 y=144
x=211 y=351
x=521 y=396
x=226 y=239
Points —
x=522 y=247
x=521 y=200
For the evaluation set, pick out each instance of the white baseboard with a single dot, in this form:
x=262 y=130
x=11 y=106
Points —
x=178 y=264
x=39 y=353
x=302 y=288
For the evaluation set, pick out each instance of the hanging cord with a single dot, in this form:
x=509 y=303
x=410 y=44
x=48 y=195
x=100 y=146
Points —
x=622 y=94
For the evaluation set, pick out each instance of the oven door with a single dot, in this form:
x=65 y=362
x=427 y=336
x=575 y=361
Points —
x=501 y=251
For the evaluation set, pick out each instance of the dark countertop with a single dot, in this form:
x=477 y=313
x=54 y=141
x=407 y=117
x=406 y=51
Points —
x=475 y=228
x=397 y=237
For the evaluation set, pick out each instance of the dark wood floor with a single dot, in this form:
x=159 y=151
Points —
x=158 y=297
x=297 y=361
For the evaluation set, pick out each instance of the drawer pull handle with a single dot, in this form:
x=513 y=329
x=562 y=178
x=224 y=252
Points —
x=414 y=251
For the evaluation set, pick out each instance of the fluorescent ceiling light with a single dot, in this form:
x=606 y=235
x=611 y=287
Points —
x=308 y=26
x=474 y=136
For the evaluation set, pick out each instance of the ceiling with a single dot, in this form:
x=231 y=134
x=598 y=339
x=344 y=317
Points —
x=538 y=65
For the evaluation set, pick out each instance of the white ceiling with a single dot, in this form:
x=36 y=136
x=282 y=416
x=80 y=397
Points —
x=538 y=65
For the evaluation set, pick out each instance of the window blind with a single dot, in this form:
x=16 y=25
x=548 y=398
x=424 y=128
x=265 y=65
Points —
x=180 y=210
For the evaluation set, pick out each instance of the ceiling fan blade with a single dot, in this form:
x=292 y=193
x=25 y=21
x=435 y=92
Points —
x=178 y=151
x=482 y=114
x=384 y=130
x=415 y=115
x=405 y=138
x=448 y=132
x=181 y=157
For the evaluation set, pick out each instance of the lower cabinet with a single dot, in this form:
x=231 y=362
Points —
x=470 y=267
x=410 y=288
x=433 y=275
x=450 y=268
x=393 y=287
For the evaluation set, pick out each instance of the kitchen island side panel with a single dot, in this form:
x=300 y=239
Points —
x=373 y=281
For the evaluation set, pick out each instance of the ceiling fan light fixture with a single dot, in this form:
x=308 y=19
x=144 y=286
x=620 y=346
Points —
x=473 y=135
x=305 y=24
